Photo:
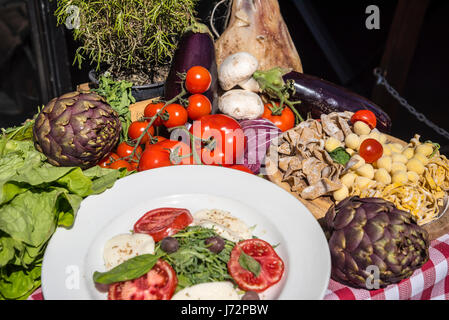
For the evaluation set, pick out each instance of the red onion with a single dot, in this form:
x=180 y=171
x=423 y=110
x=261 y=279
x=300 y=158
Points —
x=259 y=134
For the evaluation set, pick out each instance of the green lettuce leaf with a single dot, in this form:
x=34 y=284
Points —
x=35 y=199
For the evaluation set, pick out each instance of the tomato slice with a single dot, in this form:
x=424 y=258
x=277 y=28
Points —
x=163 y=222
x=272 y=266
x=158 y=284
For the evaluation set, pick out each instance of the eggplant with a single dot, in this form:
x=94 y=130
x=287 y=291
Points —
x=317 y=96
x=195 y=48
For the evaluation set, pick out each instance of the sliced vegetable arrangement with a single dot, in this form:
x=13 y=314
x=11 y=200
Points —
x=174 y=255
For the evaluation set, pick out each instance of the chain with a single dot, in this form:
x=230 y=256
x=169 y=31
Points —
x=421 y=117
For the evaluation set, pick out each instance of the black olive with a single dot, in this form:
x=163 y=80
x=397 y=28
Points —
x=250 y=295
x=215 y=244
x=169 y=245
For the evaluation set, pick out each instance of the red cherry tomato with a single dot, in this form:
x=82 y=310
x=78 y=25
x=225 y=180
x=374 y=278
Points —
x=158 y=155
x=271 y=265
x=106 y=162
x=371 y=150
x=163 y=222
x=284 y=122
x=158 y=284
x=199 y=105
x=151 y=110
x=365 y=116
x=137 y=128
x=198 y=80
x=156 y=139
x=125 y=150
x=178 y=115
x=229 y=140
x=118 y=164
x=241 y=167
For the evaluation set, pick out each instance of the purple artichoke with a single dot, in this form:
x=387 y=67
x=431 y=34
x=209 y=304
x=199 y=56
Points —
x=372 y=234
x=76 y=129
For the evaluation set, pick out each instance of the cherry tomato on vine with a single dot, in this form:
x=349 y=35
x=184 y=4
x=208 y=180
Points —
x=198 y=80
x=137 y=128
x=125 y=150
x=365 y=116
x=371 y=150
x=118 y=164
x=158 y=155
x=285 y=121
x=111 y=157
x=178 y=116
x=199 y=105
x=156 y=140
x=226 y=140
x=151 y=110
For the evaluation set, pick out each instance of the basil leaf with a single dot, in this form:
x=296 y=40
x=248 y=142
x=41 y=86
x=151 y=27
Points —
x=129 y=270
x=249 y=263
x=340 y=156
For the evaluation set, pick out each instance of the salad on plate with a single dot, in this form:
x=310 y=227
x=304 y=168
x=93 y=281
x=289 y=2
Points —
x=171 y=254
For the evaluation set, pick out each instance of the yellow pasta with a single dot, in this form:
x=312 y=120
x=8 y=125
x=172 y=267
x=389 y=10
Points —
x=422 y=198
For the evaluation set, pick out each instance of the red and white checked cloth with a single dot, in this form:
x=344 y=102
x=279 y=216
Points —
x=431 y=282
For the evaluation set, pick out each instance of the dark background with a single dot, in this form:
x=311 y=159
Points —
x=36 y=57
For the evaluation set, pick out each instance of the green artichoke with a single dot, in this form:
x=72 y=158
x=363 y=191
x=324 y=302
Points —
x=76 y=129
x=372 y=234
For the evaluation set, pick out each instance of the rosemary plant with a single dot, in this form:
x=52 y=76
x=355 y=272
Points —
x=134 y=40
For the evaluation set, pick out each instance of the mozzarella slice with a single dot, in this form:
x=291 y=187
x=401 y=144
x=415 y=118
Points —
x=224 y=224
x=208 y=291
x=126 y=246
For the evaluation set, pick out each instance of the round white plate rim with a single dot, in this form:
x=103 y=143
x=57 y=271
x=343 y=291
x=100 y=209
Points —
x=202 y=175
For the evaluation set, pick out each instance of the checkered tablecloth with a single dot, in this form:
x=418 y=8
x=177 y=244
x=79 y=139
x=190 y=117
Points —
x=429 y=282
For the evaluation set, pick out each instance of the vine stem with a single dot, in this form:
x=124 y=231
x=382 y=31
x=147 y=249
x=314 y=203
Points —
x=153 y=119
x=193 y=141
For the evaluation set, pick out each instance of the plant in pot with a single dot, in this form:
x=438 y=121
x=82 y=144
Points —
x=130 y=40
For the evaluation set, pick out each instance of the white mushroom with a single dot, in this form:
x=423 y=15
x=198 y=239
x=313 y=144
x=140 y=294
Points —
x=241 y=104
x=237 y=70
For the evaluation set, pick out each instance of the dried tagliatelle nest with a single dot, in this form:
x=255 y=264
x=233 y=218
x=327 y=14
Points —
x=303 y=161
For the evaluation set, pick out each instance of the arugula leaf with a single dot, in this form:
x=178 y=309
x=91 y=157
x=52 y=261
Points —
x=250 y=264
x=340 y=156
x=194 y=263
x=129 y=270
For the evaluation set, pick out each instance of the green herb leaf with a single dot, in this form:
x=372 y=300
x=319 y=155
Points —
x=129 y=270
x=250 y=264
x=340 y=156
x=436 y=148
x=194 y=263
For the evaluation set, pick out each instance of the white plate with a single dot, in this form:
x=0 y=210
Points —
x=74 y=254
